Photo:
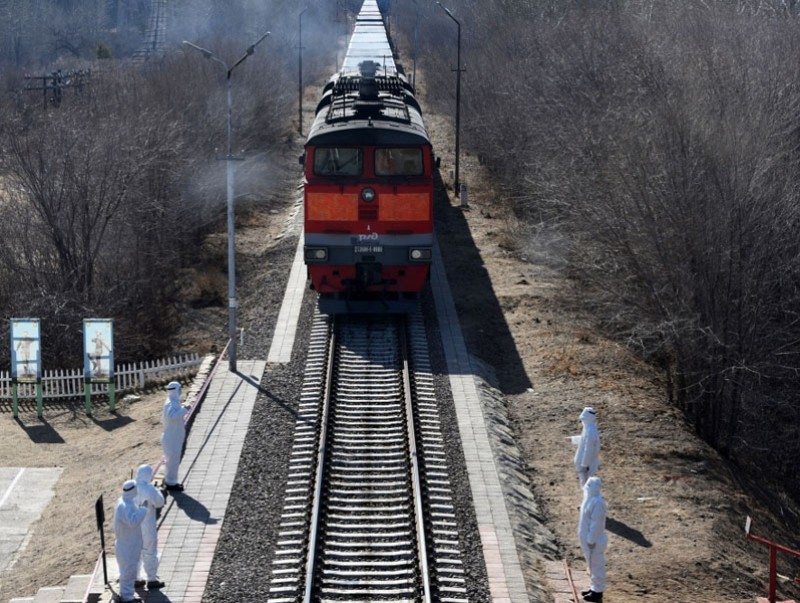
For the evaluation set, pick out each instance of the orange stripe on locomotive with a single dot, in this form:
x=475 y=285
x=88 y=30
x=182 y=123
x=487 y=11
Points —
x=345 y=207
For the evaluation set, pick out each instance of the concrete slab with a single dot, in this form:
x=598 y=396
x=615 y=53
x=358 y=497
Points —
x=24 y=494
x=76 y=588
x=49 y=594
x=280 y=350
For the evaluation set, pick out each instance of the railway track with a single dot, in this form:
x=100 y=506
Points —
x=368 y=512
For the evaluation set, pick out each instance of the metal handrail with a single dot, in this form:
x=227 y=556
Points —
x=568 y=572
x=774 y=547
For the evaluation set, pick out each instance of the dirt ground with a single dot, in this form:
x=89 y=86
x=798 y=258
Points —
x=676 y=510
x=97 y=454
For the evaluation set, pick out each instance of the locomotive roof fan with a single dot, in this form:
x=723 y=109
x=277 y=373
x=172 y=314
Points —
x=369 y=103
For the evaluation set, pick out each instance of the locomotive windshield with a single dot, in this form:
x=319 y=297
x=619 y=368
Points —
x=398 y=162
x=337 y=161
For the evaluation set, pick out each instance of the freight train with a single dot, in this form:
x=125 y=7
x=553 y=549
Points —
x=368 y=186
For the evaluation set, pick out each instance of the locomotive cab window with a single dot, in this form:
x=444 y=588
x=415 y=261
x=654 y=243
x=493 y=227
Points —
x=398 y=162
x=337 y=161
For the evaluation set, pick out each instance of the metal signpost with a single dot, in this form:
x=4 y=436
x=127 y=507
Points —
x=100 y=514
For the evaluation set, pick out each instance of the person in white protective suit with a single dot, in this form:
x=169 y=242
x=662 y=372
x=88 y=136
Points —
x=147 y=492
x=173 y=436
x=587 y=456
x=593 y=538
x=128 y=518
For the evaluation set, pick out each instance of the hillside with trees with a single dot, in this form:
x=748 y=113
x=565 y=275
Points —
x=650 y=148
x=110 y=186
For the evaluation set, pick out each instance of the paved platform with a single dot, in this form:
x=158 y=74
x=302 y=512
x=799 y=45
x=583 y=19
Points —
x=191 y=522
x=503 y=568
x=280 y=351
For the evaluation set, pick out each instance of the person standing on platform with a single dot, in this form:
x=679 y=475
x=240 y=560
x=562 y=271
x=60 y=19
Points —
x=173 y=436
x=128 y=518
x=593 y=538
x=587 y=456
x=147 y=492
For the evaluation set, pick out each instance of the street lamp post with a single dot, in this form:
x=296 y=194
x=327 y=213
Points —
x=300 y=72
x=229 y=178
x=416 y=29
x=458 y=93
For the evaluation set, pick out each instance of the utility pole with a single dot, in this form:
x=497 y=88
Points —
x=229 y=179
x=458 y=95
x=57 y=81
x=300 y=72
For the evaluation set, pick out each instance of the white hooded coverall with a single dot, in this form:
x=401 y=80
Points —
x=587 y=456
x=148 y=568
x=128 y=517
x=174 y=433
x=592 y=533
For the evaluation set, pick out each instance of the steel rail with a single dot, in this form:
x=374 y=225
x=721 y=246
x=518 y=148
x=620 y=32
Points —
x=415 y=472
x=369 y=368
x=317 y=501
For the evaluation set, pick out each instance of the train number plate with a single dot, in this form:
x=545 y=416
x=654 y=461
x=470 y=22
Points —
x=368 y=249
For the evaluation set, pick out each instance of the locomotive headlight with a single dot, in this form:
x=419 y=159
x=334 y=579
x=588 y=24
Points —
x=420 y=254
x=316 y=254
x=368 y=194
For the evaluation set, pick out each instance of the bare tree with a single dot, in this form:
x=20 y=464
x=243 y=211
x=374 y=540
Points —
x=660 y=139
x=86 y=194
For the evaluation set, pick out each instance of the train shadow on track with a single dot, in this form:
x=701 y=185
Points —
x=483 y=323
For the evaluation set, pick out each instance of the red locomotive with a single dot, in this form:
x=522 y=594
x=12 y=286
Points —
x=368 y=183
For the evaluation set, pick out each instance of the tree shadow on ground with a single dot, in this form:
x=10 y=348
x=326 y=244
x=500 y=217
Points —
x=486 y=332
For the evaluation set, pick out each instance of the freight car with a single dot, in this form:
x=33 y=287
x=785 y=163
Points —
x=368 y=186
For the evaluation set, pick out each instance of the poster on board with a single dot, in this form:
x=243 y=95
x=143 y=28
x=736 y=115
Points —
x=26 y=350
x=98 y=350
